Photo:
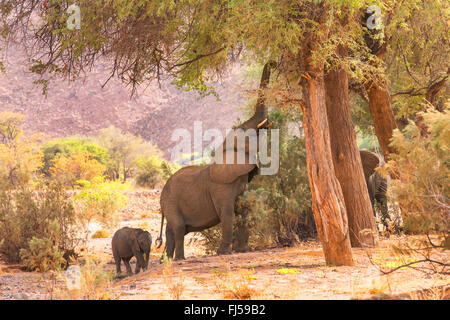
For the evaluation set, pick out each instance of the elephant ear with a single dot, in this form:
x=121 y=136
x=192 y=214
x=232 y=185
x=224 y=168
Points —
x=369 y=161
x=229 y=172
x=134 y=241
x=144 y=241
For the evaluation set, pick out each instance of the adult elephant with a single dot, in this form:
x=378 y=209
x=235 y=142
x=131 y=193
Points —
x=198 y=197
x=376 y=184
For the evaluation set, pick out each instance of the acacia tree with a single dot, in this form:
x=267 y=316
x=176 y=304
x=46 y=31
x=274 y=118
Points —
x=346 y=158
x=196 y=41
x=124 y=150
x=411 y=52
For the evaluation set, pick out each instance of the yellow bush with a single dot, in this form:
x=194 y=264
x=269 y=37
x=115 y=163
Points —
x=288 y=271
x=99 y=234
x=20 y=156
x=80 y=166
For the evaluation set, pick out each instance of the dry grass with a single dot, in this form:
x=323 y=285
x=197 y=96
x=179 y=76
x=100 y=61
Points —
x=95 y=284
x=436 y=293
x=232 y=286
x=174 y=281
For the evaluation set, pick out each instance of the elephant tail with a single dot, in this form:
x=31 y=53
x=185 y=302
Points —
x=158 y=242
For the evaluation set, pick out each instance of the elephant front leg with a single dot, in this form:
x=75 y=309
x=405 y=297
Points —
x=240 y=232
x=226 y=218
x=139 y=262
x=126 y=261
x=117 y=260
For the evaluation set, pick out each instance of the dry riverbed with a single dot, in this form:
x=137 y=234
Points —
x=279 y=273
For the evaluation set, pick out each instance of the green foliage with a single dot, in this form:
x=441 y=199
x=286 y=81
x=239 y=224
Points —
x=153 y=172
x=369 y=142
x=100 y=200
x=37 y=227
x=69 y=147
x=124 y=150
x=200 y=38
x=168 y=169
x=418 y=55
x=149 y=174
x=42 y=255
x=422 y=171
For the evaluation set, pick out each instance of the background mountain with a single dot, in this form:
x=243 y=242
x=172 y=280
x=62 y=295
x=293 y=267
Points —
x=84 y=107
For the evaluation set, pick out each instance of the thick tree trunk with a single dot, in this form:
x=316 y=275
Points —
x=347 y=161
x=327 y=198
x=382 y=115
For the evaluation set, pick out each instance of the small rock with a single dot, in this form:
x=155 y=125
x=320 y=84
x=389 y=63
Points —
x=20 y=296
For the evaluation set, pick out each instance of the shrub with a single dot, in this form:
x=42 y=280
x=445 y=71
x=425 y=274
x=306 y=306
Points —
x=421 y=171
x=42 y=255
x=153 y=172
x=168 y=169
x=100 y=234
x=124 y=149
x=149 y=174
x=236 y=286
x=80 y=166
x=99 y=200
x=20 y=157
x=68 y=147
x=37 y=227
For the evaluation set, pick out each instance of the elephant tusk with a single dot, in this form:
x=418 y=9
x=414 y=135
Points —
x=262 y=123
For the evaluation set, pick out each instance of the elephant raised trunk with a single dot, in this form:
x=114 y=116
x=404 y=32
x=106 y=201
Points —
x=261 y=110
x=198 y=197
x=237 y=154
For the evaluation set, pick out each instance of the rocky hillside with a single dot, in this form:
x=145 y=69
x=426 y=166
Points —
x=84 y=107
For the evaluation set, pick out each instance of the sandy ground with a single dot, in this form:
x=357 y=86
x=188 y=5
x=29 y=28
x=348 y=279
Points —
x=279 y=273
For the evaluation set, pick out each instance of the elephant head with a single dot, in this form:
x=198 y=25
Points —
x=369 y=161
x=144 y=242
x=376 y=184
x=237 y=154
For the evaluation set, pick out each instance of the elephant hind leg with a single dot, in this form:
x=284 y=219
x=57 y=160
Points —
x=179 y=231
x=117 y=260
x=175 y=231
x=170 y=243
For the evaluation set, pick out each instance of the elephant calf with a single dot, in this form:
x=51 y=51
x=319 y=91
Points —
x=129 y=242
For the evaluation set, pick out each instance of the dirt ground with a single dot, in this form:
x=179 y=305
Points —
x=279 y=273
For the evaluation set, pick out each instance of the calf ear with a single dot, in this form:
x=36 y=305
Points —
x=134 y=242
x=144 y=241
